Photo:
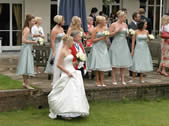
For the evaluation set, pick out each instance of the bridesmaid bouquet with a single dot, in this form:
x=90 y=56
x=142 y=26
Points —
x=40 y=41
x=81 y=57
x=106 y=33
x=81 y=34
x=131 y=32
x=151 y=37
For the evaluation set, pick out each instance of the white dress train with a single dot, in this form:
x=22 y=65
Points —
x=68 y=98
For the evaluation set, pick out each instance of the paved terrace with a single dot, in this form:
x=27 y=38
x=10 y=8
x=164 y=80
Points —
x=8 y=62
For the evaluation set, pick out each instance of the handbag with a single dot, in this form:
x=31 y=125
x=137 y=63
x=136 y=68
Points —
x=164 y=35
x=52 y=60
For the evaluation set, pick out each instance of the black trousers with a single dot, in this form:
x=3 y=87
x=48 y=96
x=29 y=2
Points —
x=82 y=71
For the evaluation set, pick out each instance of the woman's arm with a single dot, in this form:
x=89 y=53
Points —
x=69 y=31
x=93 y=37
x=53 y=38
x=60 y=62
x=113 y=29
x=26 y=32
x=148 y=39
x=133 y=44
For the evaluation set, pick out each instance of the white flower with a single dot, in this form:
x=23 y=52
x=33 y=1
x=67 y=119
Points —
x=151 y=37
x=81 y=56
x=81 y=34
x=41 y=41
x=106 y=33
x=131 y=32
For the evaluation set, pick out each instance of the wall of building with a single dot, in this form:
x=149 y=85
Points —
x=167 y=6
x=132 y=6
x=41 y=9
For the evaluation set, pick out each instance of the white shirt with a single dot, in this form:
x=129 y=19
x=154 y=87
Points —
x=134 y=22
x=79 y=49
x=166 y=28
x=38 y=31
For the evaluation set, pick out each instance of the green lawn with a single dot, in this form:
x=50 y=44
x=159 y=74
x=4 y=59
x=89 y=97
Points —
x=8 y=83
x=103 y=113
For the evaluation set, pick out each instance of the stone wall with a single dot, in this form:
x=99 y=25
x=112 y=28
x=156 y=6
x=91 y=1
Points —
x=19 y=99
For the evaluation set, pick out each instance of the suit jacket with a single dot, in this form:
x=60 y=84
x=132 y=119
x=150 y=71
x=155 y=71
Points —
x=74 y=52
x=133 y=26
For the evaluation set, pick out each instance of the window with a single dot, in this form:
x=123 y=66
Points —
x=54 y=12
x=111 y=6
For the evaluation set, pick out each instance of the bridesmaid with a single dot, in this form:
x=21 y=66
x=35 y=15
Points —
x=26 y=64
x=164 y=48
x=119 y=51
x=76 y=24
x=57 y=34
x=142 y=61
x=98 y=59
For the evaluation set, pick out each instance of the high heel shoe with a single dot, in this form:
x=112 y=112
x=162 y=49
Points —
x=103 y=85
x=130 y=81
x=142 y=81
x=114 y=83
x=123 y=82
x=27 y=86
x=165 y=74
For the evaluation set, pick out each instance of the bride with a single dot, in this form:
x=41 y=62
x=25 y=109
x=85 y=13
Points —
x=67 y=98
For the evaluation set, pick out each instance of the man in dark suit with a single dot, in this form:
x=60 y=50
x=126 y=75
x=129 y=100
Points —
x=94 y=10
x=148 y=20
x=133 y=25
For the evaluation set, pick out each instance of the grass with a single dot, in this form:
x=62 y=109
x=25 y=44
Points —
x=102 y=113
x=7 y=83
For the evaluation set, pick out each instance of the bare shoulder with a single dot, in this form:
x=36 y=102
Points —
x=26 y=29
x=146 y=31
x=125 y=25
x=94 y=29
x=105 y=27
x=137 y=32
x=54 y=30
x=114 y=24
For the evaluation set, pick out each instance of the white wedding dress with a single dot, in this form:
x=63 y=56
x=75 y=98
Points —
x=68 y=98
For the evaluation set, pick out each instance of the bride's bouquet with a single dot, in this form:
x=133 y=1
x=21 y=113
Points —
x=81 y=57
x=106 y=33
x=40 y=41
x=131 y=32
x=151 y=37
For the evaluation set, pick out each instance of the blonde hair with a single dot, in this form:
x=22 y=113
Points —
x=76 y=23
x=141 y=11
x=67 y=38
x=100 y=19
x=120 y=13
x=58 y=19
x=89 y=19
x=164 y=20
x=38 y=19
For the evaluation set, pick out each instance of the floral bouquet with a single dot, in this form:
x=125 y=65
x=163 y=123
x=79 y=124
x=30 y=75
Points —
x=81 y=34
x=81 y=57
x=131 y=32
x=151 y=37
x=106 y=33
x=40 y=41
